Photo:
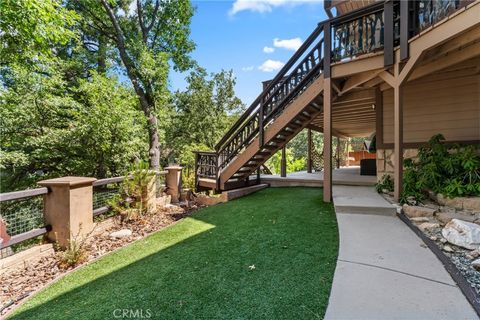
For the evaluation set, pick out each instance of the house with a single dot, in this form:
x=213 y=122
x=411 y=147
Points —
x=404 y=70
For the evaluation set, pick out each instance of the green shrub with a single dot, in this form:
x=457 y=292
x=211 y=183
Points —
x=451 y=170
x=131 y=201
x=386 y=183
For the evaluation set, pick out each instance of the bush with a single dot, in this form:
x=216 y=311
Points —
x=386 y=183
x=451 y=170
x=132 y=200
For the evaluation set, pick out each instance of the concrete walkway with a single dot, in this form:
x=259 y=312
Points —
x=384 y=271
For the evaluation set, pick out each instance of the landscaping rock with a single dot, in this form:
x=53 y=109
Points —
x=428 y=226
x=476 y=264
x=121 y=233
x=446 y=217
x=419 y=219
x=447 y=248
x=472 y=204
x=463 y=234
x=164 y=201
x=417 y=211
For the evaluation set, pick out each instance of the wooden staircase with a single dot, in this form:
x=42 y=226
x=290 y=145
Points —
x=286 y=106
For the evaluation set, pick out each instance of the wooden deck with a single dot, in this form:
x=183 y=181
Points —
x=349 y=176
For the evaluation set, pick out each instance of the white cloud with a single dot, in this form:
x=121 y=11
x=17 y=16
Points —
x=271 y=65
x=247 y=69
x=268 y=49
x=263 y=6
x=289 y=44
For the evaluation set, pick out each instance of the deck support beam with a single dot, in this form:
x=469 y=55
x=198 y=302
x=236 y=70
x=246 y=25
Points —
x=283 y=163
x=327 y=116
x=327 y=140
x=398 y=141
x=309 y=151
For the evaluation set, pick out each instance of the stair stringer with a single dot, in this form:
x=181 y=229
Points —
x=291 y=111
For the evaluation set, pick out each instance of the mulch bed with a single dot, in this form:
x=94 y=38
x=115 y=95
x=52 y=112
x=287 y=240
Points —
x=18 y=284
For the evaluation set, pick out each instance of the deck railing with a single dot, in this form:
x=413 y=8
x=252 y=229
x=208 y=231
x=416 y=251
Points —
x=362 y=32
x=22 y=211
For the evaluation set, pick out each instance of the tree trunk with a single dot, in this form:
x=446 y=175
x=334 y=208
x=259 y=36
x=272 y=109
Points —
x=154 y=151
x=146 y=102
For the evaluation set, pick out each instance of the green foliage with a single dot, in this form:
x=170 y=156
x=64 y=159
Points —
x=131 y=201
x=293 y=165
x=30 y=30
x=450 y=170
x=50 y=129
x=386 y=183
x=202 y=114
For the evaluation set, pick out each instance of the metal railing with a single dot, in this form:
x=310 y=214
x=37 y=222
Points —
x=362 y=32
x=105 y=189
x=22 y=212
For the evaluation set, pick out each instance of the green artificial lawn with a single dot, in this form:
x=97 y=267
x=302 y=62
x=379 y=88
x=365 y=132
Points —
x=202 y=267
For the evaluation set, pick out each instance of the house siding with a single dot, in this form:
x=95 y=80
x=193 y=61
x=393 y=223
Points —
x=447 y=106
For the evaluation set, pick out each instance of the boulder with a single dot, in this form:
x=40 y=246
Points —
x=121 y=233
x=417 y=211
x=463 y=234
x=428 y=226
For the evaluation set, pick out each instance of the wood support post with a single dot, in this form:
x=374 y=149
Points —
x=309 y=151
x=404 y=28
x=327 y=140
x=283 y=163
x=327 y=116
x=338 y=153
x=388 y=34
x=398 y=141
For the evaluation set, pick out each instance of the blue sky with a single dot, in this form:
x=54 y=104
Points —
x=234 y=34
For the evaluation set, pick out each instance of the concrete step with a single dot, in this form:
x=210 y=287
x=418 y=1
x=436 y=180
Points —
x=361 y=200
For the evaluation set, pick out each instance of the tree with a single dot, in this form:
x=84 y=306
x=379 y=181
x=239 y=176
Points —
x=30 y=30
x=49 y=132
x=146 y=38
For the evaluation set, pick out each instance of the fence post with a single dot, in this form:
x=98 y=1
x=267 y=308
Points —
x=173 y=182
x=68 y=208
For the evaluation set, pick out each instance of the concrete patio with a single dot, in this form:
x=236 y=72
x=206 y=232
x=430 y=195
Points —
x=384 y=271
x=342 y=176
